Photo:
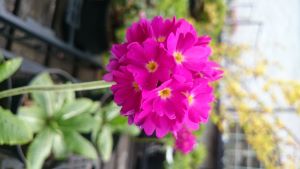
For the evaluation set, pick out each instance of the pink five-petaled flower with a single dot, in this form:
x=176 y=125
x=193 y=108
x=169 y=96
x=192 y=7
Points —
x=164 y=108
x=162 y=28
x=126 y=92
x=199 y=99
x=149 y=64
x=186 y=55
x=185 y=140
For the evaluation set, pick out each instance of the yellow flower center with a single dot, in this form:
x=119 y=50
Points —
x=151 y=66
x=165 y=93
x=135 y=86
x=190 y=99
x=178 y=57
x=161 y=39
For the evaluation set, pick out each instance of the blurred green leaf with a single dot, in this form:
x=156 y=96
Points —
x=39 y=149
x=111 y=111
x=69 y=96
x=75 y=108
x=96 y=106
x=33 y=116
x=79 y=145
x=188 y=161
x=59 y=146
x=82 y=123
x=9 y=67
x=105 y=143
x=120 y=124
x=46 y=100
x=62 y=98
x=97 y=127
x=13 y=130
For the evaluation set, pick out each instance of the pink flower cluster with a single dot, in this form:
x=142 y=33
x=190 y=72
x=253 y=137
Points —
x=162 y=74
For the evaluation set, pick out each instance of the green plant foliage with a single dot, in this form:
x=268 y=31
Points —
x=58 y=119
x=33 y=116
x=190 y=161
x=13 y=130
x=211 y=20
x=75 y=108
x=170 y=8
x=79 y=145
x=39 y=149
x=105 y=143
x=8 y=68
x=44 y=100
x=109 y=122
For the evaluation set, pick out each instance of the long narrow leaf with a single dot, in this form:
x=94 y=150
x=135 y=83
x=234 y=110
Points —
x=39 y=149
x=105 y=143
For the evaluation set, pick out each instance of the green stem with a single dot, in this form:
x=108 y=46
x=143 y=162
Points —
x=60 y=87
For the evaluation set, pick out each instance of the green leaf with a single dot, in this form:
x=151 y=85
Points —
x=127 y=129
x=75 y=108
x=81 y=123
x=98 y=123
x=69 y=96
x=120 y=124
x=9 y=67
x=46 y=100
x=39 y=149
x=79 y=145
x=62 y=98
x=59 y=146
x=13 y=130
x=111 y=111
x=105 y=143
x=33 y=116
x=95 y=107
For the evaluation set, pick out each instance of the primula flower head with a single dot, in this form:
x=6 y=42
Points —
x=162 y=75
